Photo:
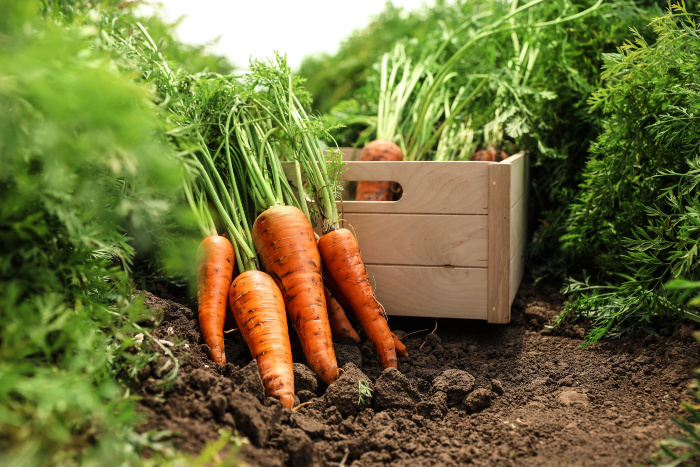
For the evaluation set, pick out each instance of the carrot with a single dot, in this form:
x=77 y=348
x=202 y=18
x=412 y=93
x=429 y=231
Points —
x=215 y=259
x=489 y=154
x=258 y=307
x=341 y=255
x=378 y=150
x=340 y=325
x=284 y=239
x=400 y=347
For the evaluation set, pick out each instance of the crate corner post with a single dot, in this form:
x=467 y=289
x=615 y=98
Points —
x=498 y=282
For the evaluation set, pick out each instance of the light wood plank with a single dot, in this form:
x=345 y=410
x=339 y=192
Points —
x=428 y=187
x=350 y=154
x=419 y=239
x=517 y=271
x=518 y=175
x=430 y=291
x=518 y=223
x=499 y=244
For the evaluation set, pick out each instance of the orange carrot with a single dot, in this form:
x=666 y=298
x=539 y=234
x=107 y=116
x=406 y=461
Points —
x=378 y=150
x=284 y=239
x=340 y=325
x=341 y=256
x=215 y=258
x=400 y=346
x=489 y=154
x=258 y=307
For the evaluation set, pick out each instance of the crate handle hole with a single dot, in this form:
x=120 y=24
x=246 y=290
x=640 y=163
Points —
x=373 y=190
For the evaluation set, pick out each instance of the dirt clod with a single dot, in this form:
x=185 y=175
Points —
x=298 y=446
x=497 y=387
x=347 y=351
x=394 y=391
x=248 y=380
x=477 y=400
x=456 y=384
x=304 y=379
x=344 y=393
x=568 y=398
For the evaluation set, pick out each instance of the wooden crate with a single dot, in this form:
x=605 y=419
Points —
x=452 y=246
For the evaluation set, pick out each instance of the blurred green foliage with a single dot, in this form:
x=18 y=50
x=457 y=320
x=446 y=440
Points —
x=89 y=183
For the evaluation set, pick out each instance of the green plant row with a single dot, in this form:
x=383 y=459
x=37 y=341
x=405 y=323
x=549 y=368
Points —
x=636 y=221
x=90 y=185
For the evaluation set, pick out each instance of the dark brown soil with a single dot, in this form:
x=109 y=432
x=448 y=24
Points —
x=470 y=392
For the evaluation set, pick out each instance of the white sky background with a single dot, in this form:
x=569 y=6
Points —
x=259 y=27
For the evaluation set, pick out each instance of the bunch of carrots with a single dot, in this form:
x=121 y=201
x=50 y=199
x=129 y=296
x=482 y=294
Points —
x=269 y=267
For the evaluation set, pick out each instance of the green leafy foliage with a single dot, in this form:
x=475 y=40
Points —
x=635 y=221
x=88 y=184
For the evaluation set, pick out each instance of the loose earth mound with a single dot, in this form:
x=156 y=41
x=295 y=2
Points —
x=469 y=392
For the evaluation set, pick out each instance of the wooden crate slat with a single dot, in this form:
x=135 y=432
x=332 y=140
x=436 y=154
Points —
x=430 y=291
x=428 y=187
x=518 y=175
x=517 y=271
x=350 y=154
x=419 y=239
x=518 y=223
x=499 y=244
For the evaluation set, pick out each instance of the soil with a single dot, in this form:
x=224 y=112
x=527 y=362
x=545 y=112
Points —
x=520 y=394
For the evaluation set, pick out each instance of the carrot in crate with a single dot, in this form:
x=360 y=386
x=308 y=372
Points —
x=490 y=154
x=378 y=150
